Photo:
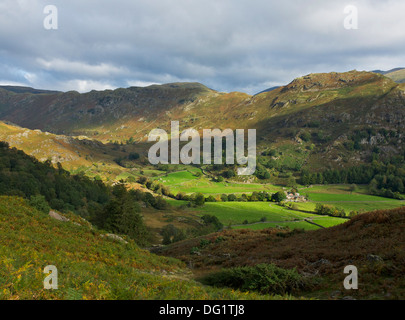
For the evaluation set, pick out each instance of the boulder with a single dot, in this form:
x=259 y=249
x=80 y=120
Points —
x=57 y=216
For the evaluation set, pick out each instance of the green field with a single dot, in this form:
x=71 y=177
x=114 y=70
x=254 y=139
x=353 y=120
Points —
x=339 y=196
x=187 y=182
x=236 y=214
x=292 y=225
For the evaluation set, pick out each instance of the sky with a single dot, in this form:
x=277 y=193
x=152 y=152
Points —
x=227 y=45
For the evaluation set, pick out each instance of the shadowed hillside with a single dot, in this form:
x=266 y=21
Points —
x=374 y=242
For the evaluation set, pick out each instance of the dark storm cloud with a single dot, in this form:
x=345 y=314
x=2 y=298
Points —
x=226 y=44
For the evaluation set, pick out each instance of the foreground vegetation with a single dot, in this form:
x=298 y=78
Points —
x=90 y=264
x=373 y=242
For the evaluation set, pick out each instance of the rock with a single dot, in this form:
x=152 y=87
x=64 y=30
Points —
x=374 y=258
x=348 y=298
x=115 y=237
x=335 y=294
x=57 y=216
x=320 y=262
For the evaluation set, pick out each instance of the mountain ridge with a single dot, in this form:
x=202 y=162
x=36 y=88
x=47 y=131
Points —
x=330 y=107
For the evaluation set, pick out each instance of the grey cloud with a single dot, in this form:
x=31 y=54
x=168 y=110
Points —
x=227 y=45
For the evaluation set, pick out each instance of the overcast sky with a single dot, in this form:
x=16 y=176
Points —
x=228 y=45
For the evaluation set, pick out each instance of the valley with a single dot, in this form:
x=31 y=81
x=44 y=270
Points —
x=332 y=141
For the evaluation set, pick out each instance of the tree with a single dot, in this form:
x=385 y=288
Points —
x=39 y=202
x=160 y=203
x=262 y=173
x=198 y=199
x=254 y=196
x=352 y=188
x=172 y=234
x=142 y=180
x=232 y=197
x=130 y=222
x=133 y=156
x=291 y=182
x=373 y=186
x=229 y=174
x=278 y=196
x=212 y=220
x=180 y=196
x=306 y=136
x=121 y=215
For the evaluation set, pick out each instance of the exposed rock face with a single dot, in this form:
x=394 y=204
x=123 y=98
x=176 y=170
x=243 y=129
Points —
x=115 y=237
x=333 y=80
x=57 y=216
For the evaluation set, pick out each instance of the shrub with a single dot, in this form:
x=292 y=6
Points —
x=198 y=199
x=212 y=220
x=306 y=136
x=278 y=196
x=228 y=174
x=204 y=243
x=210 y=199
x=38 y=202
x=232 y=197
x=172 y=234
x=264 y=278
x=133 y=156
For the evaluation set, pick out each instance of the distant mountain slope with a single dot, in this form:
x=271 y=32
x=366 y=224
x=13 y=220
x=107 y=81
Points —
x=19 y=89
x=388 y=71
x=268 y=90
x=75 y=113
x=328 y=109
x=397 y=74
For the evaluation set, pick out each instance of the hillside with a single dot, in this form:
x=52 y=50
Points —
x=374 y=242
x=312 y=119
x=104 y=113
x=90 y=264
x=75 y=153
x=397 y=74
x=19 y=89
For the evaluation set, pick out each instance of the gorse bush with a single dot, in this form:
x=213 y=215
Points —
x=264 y=278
